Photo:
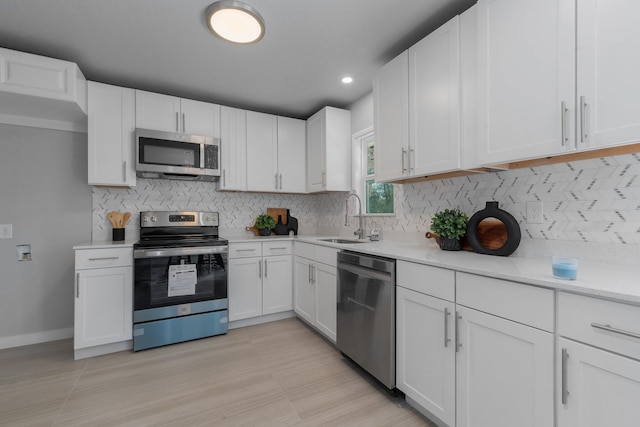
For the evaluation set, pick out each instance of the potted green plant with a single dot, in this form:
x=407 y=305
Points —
x=265 y=223
x=450 y=225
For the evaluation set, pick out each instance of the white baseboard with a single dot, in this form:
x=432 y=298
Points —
x=99 y=350
x=35 y=338
x=260 y=319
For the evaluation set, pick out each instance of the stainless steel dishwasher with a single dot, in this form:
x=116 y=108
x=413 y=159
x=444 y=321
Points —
x=366 y=313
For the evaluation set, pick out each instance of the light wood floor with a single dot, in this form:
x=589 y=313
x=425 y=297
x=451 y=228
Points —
x=275 y=374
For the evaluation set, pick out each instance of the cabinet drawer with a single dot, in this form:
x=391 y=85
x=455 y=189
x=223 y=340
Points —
x=244 y=250
x=280 y=247
x=611 y=325
x=102 y=258
x=521 y=303
x=327 y=255
x=305 y=250
x=434 y=281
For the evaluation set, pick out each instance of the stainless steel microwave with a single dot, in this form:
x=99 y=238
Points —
x=172 y=155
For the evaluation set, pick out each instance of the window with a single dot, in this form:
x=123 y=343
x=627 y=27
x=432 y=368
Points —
x=378 y=197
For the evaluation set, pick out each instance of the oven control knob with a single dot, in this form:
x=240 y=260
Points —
x=207 y=218
x=154 y=219
x=145 y=218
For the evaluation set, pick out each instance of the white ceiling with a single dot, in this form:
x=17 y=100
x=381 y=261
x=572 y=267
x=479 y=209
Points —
x=165 y=46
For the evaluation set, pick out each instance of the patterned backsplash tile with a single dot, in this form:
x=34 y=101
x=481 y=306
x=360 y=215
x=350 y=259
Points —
x=595 y=200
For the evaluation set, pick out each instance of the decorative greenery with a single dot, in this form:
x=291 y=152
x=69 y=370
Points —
x=451 y=223
x=265 y=221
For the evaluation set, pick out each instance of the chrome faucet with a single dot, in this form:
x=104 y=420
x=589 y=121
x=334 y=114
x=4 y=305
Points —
x=360 y=231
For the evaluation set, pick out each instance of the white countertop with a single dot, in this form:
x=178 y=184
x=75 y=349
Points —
x=617 y=282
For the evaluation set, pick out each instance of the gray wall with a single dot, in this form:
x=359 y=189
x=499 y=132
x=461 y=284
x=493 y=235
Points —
x=44 y=194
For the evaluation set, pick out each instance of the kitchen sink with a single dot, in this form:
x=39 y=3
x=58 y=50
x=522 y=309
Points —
x=345 y=241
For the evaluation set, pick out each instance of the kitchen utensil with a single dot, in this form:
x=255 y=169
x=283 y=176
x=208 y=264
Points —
x=127 y=215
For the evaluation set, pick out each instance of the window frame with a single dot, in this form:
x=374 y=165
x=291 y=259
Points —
x=359 y=167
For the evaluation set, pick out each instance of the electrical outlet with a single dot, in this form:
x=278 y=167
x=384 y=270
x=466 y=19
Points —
x=6 y=231
x=534 y=212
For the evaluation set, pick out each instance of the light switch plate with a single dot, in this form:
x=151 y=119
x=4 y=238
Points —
x=6 y=231
x=534 y=212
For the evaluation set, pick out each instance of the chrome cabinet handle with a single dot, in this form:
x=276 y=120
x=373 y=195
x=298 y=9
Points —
x=313 y=274
x=77 y=285
x=177 y=122
x=583 y=120
x=103 y=258
x=184 y=126
x=458 y=343
x=404 y=152
x=245 y=250
x=565 y=390
x=563 y=108
x=410 y=159
x=324 y=178
x=309 y=273
x=124 y=171
x=276 y=181
x=224 y=178
x=260 y=269
x=609 y=328
x=265 y=268
x=446 y=327
x=281 y=181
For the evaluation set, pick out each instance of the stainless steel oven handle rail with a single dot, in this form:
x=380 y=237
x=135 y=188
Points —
x=194 y=250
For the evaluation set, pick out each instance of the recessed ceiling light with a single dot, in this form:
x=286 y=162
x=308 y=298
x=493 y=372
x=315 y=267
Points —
x=235 y=22
x=347 y=80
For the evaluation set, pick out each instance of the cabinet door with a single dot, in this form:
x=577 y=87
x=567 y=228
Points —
x=277 y=284
x=325 y=282
x=303 y=290
x=526 y=71
x=233 y=148
x=315 y=153
x=103 y=306
x=603 y=388
x=291 y=155
x=434 y=101
x=391 y=118
x=608 y=70
x=504 y=373
x=425 y=352
x=157 y=111
x=262 y=149
x=200 y=118
x=245 y=288
x=111 y=127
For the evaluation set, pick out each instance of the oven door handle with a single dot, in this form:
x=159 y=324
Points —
x=164 y=252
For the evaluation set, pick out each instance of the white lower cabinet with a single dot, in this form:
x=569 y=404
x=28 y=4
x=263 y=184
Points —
x=315 y=287
x=260 y=279
x=598 y=378
x=103 y=299
x=425 y=350
x=504 y=373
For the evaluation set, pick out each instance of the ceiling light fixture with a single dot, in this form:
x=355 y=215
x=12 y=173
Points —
x=347 y=80
x=235 y=22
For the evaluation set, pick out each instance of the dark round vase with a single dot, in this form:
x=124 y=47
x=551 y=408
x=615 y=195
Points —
x=449 y=244
x=265 y=232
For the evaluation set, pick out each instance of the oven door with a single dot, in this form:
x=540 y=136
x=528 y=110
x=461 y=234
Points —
x=183 y=275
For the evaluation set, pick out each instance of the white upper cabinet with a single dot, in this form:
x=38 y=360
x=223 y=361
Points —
x=532 y=100
x=168 y=113
x=329 y=150
x=391 y=118
x=233 y=149
x=291 y=155
x=41 y=91
x=418 y=104
x=434 y=101
x=608 y=70
x=275 y=153
x=525 y=76
x=111 y=127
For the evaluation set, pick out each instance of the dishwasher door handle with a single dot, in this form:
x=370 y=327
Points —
x=364 y=271
x=363 y=305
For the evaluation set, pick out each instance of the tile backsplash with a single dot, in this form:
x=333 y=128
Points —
x=594 y=201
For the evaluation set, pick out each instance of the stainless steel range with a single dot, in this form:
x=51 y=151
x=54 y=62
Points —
x=180 y=279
